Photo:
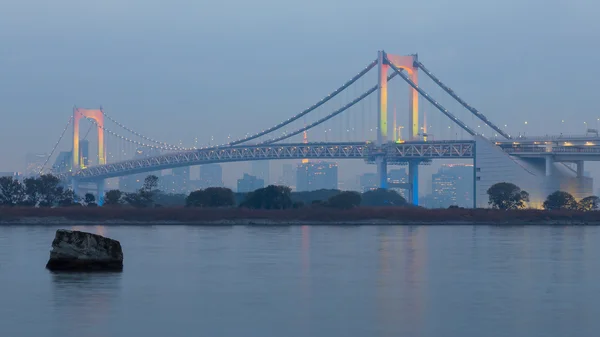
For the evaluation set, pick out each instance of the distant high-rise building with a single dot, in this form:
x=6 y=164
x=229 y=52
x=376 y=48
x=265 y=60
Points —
x=34 y=163
x=249 y=183
x=62 y=162
x=368 y=181
x=452 y=185
x=211 y=175
x=288 y=177
x=15 y=175
x=84 y=152
x=177 y=182
x=315 y=176
x=261 y=170
x=397 y=180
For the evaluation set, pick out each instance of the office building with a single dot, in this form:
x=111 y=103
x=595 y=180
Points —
x=211 y=175
x=261 y=169
x=34 y=163
x=63 y=162
x=288 y=177
x=313 y=176
x=452 y=185
x=368 y=182
x=176 y=182
x=398 y=181
x=249 y=183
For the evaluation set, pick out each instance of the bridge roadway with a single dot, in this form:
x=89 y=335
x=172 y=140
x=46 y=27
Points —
x=559 y=148
x=393 y=152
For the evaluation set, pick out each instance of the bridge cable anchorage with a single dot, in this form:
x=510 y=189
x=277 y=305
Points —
x=331 y=115
x=308 y=110
x=428 y=98
x=474 y=111
x=139 y=134
x=56 y=145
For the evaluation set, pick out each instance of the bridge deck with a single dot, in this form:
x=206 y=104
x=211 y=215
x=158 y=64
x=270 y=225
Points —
x=394 y=152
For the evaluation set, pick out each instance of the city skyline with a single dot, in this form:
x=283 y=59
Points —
x=58 y=79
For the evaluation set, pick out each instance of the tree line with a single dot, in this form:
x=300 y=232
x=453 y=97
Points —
x=509 y=196
x=48 y=191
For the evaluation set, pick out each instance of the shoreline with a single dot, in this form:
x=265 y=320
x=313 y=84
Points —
x=55 y=221
x=314 y=216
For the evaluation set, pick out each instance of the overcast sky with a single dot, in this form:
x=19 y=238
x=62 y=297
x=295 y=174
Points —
x=183 y=69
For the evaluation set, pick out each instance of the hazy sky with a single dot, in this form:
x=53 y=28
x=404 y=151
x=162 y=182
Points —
x=184 y=69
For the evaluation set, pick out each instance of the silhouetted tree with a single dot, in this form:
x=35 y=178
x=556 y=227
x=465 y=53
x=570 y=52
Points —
x=144 y=197
x=382 y=197
x=270 y=197
x=560 y=200
x=150 y=183
x=169 y=199
x=211 y=197
x=43 y=191
x=89 y=200
x=113 y=197
x=507 y=196
x=345 y=200
x=66 y=198
x=308 y=197
x=12 y=192
x=588 y=203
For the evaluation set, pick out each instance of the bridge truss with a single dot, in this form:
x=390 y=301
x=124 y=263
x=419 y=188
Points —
x=394 y=152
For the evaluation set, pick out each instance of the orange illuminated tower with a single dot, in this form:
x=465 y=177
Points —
x=407 y=63
x=98 y=117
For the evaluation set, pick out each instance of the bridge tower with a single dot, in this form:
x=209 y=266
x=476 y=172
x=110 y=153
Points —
x=408 y=64
x=98 y=117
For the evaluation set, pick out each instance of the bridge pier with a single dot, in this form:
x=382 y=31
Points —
x=75 y=187
x=579 y=168
x=413 y=180
x=382 y=171
x=549 y=164
x=100 y=185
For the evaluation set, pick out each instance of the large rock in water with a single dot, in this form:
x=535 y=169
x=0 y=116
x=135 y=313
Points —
x=81 y=251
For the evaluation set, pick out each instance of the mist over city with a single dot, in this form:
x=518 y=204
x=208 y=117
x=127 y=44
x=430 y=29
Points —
x=197 y=74
x=313 y=168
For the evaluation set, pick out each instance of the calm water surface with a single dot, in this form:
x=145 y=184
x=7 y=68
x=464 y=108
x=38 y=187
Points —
x=310 y=281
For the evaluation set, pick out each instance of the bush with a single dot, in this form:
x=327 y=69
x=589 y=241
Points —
x=560 y=200
x=382 y=197
x=507 y=196
x=345 y=200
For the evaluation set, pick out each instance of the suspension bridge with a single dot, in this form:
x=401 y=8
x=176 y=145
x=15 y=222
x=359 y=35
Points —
x=378 y=137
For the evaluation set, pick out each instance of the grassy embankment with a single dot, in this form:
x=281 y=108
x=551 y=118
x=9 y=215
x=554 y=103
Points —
x=308 y=214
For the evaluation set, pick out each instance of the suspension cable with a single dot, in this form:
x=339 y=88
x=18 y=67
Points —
x=428 y=97
x=471 y=109
x=308 y=110
x=333 y=114
x=137 y=133
x=56 y=145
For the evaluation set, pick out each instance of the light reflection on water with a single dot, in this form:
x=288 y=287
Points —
x=309 y=281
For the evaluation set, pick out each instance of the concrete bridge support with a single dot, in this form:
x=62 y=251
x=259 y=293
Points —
x=413 y=180
x=100 y=185
x=549 y=164
x=579 y=169
x=75 y=187
x=382 y=171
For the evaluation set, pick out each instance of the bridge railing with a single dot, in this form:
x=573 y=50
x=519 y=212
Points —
x=555 y=149
x=556 y=138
